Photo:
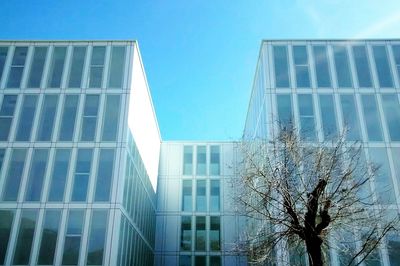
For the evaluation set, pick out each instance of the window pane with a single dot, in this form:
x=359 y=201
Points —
x=214 y=196
x=307 y=120
x=68 y=117
x=188 y=160
x=201 y=160
x=391 y=109
x=187 y=195
x=200 y=233
x=17 y=67
x=6 y=115
x=117 y=67
x=46 y=122
x=37 y=66
x=82 y=173
x=26 y=118
x=3 y=57
x=342 y=66
x=215 y=233
x=328 y=116
x=49 y=237
x=97 y=237
x=301 y=66
x=215 y=261
x=73 y=237
x=36 y=175
x=285 y=113
x=185 y=260
x=371 y=117
x=321 y=67
x=6 y=220
x=90 y=117
x=362 y=66
x=382 y=66
x=111 y=117
x=396 y=161
x=2 y=153
x=56 y=67
x=350 y=117
x=200 y=260
x=396 y=54
x=96 y=66
x=25 y=237
x=214 y=160
x=186 y=233
x=104 y=175
x=76 y=72
x=201 y=203
x=59 y=175
x=14 y=175
x=281 y=67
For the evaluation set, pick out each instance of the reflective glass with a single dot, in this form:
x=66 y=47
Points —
x=36 y=175
x=97 y=66
x=56 y=67
x=77 y=64
x=350 y=117
x=90 y=117
x=17 y=67
x=3 y=57
x=362 y=66
x=396 y=54
x=48 y=242
x=391 y=109
x=382 y=66
x=26 y=117
x=188 y=160
x=6 y=115
x=321 y=66
x=97 y=237
x=393 y=245
x=200 y=233
x=73 y=237
x=214 y=160
x=186 y=233
x=104 y=175
x=343 y=73
x=201 y=168
x=396 y=161
x=301 y=66
x=46 y=121
x=281 y=67
x=215 y=233
x=6 y=220
x=185 y=260
x=201 y=202
x=2 y=153
x=116 y=67
x=59 y=175
x=82 y=173
x=200 y=260
x=37 y=66
x=285 y=113
x=307 y=119
x=187 y=195
x=68 y=118
x=329 y=124
x=215 y=261
x=371 y=117
x=111 y=117
x=25 y=237
x=214 y=196
x=14 y=175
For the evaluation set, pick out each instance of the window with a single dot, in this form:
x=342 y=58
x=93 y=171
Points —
x=215 y=233
x=396 y=161
x=14 y=175
x=77 y=64
x=201 y=168
x=200 y=260
x=351 y=122
x=185 y=260
x=117 y=66
x=187 y=195
x=111 y=117
x=214 y=160
x=281 y=67
x=396 y=54
x=90 y=118
x=285 y=113
x=82 y=173
x=329 y=124
x=104 y=175
x=187 y=160
x=371 y=117
x=97 y=237
x=26 y=117
x=56 y=67
x=321 y=67
x=382 y=66
x=68 y=118
x=3 y=57
x=37 y=67
x=36 y=175
x=25 y=237
x=343 y=73
x=6 y=220
x=215 y=261
x=46 y=121
x=97 y=66
x=307 y=120
x=6 y=115
x=73 y=237
x=362 y=66
x=300 y=59
x=48 y=242
x=214 y=196
x=201 y=202
x=186 y=233
x=391 y=109
x=59 y=175
x=200 y=233
x=2 y=153
x=17 y=67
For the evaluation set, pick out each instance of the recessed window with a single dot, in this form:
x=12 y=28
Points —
x=48 y=242
x=187 y=195
x=56 y=67
x=281 y=67
x=186 y=233
x=14 y=175
x=26 y=232
x=362 y=66
x=215 y=160
x=37 y=67
x=382 y=66
x=6 y=115
x=111 y=118
x=26 y=117
x=396 y=54
x=371 y=117
x=300 y=58
x=47 y=116
x=328 y=116
x=68 y=118
x=104 y=175
x=342 y=66
x=117 y=66
x=215 y=233
x=215 y=196
x=97 y=237
x=77 y=64
x=89 y=120
x=285 y=113
x=200 y=233
x=17 y=67
x=73 y=237
x=307 y=118
x=201 y=168
x=97 y=66
x=36 y=175
x=201 y=201
x=3 y=57
x=6 y=218
x=391 y=109
x=350 y=117
x=321 y=66
x=82 y=174
x=187 y=160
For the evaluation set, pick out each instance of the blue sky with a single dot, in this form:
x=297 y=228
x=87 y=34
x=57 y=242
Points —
x=199 y=56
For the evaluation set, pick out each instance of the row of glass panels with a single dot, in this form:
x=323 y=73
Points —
x=57 y=242
x=365 y=61
x=207 y=195
x=89 y=109
x=66 y=173
x=202 y=160
x=199 y=260
x=45 y=66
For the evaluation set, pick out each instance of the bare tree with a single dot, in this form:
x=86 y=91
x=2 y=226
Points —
x=310 y=198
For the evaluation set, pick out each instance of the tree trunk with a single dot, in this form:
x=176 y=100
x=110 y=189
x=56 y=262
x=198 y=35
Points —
x=314 y=251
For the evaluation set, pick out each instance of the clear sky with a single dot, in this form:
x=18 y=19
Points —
x=199 y=56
